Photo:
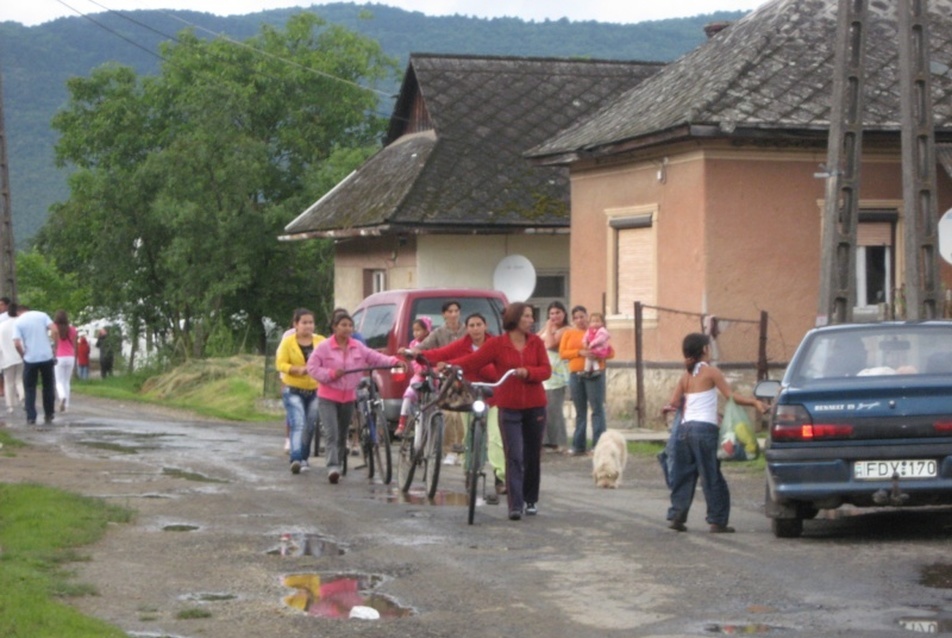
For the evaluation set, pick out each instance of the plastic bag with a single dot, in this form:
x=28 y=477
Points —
x=736 y=441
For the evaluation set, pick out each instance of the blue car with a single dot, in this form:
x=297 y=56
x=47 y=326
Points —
x=863 y=416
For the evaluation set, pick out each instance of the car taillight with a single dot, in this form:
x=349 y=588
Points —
x=794 y=423
x=944 y=427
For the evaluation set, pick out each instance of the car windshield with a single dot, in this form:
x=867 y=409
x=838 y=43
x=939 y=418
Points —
x=875 y=350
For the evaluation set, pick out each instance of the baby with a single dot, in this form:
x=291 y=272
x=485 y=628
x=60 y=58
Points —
x=598 y=343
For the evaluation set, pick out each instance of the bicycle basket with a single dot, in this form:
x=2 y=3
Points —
x=456 y=395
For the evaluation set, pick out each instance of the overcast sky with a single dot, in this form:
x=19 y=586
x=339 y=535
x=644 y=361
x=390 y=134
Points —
x=32 y=12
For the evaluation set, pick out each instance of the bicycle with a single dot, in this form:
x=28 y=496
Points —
x=422 y=443
x=373 y=434
x=477 y=439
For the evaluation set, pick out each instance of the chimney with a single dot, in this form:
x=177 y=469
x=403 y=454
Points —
x=713 y=28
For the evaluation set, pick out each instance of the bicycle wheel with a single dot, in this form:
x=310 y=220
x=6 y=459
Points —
x=434 y=453
x=367 y=447
x=381 y=446
x=476 y=464
x=406 y=460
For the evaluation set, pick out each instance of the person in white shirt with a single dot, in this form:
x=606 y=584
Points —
x=11 y=362
x=32 y=341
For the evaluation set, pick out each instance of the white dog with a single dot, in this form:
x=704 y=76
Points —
x=609 y=459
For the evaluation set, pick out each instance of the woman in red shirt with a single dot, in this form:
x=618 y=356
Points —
x=521 y=402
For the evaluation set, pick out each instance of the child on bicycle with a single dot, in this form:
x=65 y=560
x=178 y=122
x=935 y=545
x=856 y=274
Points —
x=421 y=329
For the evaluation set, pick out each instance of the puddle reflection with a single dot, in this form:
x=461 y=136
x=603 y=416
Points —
x=175 y=472
x=751 y=628
x=305 y=545
x=417 y=496
x=938 y=576
x=336 y=595
x=927 y=624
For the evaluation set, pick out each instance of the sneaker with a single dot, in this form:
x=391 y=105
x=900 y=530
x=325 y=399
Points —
x=450 y=459
x=305 y=466
x=398 y=433
x=531 y=509
x=456 y=447
x=333 y=477
x=677 y=525
x=721 y=529
x=295 y=467
x=514 y=515
x=31 y=421
x=48 y=419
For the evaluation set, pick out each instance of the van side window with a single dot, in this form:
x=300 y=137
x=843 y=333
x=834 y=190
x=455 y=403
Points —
x=377 y=323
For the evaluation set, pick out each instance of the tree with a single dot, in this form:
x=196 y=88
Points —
x=184 y=180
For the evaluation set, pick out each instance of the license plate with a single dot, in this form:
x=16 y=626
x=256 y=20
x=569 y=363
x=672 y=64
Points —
x=880 y=470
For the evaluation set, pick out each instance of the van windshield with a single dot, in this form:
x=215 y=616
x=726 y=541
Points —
x=377 y=323
x=431 y=307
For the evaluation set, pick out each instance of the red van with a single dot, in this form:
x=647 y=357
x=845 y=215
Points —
x=385 y=321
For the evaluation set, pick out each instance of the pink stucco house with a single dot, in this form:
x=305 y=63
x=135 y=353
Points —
x=697 y=189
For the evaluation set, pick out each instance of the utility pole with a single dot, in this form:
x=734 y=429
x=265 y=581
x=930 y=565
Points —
x=8 y=280
x=844 y=155
x=843 y=160
x=921 y=219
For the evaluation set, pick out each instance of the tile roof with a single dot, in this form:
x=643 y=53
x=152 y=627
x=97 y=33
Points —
x=469 y=173
x=770 y=71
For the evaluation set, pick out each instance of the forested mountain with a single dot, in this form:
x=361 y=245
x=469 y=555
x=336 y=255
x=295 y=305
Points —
x=36 y=61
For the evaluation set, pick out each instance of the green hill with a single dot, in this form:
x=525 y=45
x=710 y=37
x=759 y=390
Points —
x=36 y=61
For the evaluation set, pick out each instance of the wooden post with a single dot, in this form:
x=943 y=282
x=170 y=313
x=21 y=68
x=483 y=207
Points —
x=639 y=367
x=8 y=279
x=762 y=371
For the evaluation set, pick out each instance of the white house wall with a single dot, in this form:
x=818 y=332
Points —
x=468 y=261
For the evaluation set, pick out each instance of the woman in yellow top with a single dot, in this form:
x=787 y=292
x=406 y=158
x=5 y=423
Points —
x=300 y=389
x=586 y=390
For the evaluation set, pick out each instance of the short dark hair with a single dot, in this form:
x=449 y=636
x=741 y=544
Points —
x=512 y=315
x=693 y=348
x=451 y=302
x=301 y=312
x=577 y=308
x=340 y=316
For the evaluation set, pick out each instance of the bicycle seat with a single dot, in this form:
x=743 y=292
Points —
x=486 y=392
x=365 y=382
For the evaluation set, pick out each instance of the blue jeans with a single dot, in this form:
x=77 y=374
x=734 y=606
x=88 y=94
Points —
x=587 y=391
x=42 y=371
x=301 y=408
x=695 y=456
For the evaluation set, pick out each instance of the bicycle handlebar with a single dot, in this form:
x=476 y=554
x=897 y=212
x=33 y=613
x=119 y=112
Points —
x=370 y=369
x=482 y=384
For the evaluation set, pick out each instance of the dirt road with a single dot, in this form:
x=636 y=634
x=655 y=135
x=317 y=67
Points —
x=214 y=500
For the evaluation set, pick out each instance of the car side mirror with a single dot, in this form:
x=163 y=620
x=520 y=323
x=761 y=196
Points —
x=767 y=390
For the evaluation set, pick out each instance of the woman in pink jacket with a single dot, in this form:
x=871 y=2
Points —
x=330 y=363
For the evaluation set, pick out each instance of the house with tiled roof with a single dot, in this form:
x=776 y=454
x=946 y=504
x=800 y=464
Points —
x=450 y=194
x=703 y=186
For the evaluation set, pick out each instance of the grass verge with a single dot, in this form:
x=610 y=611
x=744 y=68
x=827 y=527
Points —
x=40 y=531
x=225 y=388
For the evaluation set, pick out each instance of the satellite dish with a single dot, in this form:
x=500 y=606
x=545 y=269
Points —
x=515 y=277
x=945 y=236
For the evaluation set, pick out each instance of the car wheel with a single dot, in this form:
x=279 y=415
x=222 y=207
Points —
x=787 y=527
x=807 y=512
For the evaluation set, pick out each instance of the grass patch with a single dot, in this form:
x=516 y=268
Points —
x=40 y=527
x=193 y=612
x=223 y=388
x=10 y=444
